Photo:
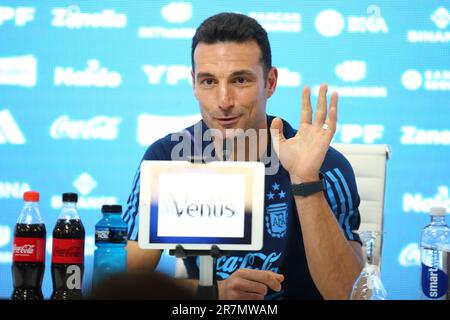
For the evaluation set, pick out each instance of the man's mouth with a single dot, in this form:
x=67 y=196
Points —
x=228 y=121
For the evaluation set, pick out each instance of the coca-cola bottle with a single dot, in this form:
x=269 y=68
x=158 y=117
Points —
x=68 y=251
x=29 y=251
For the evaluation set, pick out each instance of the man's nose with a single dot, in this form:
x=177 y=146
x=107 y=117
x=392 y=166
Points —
x=226 y=100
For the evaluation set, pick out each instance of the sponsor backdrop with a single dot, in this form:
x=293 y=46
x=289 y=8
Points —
x=86 y=86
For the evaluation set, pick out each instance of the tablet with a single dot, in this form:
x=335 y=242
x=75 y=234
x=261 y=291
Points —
x=199 y=205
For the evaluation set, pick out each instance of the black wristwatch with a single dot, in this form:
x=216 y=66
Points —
x=309 y=188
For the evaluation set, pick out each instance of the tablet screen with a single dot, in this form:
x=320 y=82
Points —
x=199 y=207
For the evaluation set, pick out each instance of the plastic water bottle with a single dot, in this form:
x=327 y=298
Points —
x=435 y=257
x=110 y=257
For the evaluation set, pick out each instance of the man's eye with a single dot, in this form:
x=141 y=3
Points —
x=241 y=80
x=208 y=82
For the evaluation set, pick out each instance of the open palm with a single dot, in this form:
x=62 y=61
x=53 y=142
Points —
x=303 y=155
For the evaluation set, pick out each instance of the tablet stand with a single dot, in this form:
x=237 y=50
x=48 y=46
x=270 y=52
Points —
x=207 y=285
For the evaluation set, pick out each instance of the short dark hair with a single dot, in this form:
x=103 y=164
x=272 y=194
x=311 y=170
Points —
x=234 y=27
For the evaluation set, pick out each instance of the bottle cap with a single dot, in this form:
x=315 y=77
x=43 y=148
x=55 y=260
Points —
x=70 y=197
x=437 y=211
x=114 y=208
x=31 y=196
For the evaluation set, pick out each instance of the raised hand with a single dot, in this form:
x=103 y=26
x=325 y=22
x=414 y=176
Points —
x=303 y=155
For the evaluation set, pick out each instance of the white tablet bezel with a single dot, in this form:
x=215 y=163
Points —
x=255 y=169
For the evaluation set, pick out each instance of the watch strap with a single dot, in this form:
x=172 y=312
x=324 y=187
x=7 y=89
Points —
x=309 y=188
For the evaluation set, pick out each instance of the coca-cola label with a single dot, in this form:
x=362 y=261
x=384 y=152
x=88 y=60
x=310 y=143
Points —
x=28 y=249
x=68 y=251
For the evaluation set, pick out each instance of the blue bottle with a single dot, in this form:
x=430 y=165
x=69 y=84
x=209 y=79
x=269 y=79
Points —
x=110 y=256
x=435 y=257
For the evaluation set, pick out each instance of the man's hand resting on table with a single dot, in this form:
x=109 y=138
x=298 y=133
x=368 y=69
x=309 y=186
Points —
x=249 y=284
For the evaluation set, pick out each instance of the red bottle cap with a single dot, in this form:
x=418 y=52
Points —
x=31 y=196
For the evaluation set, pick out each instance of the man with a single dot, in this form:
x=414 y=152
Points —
x=314 y=253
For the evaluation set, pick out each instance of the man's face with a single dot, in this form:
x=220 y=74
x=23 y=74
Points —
x=230 y=87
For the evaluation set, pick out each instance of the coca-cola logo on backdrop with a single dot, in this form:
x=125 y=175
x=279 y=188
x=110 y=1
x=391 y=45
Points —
x=97 y=128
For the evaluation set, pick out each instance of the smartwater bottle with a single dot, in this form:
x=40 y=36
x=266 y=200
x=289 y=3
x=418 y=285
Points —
x=110 y=257
x=435 y=257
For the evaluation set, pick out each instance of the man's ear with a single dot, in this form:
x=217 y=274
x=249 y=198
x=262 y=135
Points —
x=271 y=82
x=194 y=84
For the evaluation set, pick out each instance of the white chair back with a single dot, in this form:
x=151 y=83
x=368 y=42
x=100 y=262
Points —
x=369 y=165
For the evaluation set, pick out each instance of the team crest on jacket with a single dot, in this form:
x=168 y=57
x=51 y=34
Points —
x=276 y=212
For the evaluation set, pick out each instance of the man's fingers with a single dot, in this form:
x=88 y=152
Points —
x=321 y=110
x=332 y=113
x=270 y=279
x=276 y=130
x=250 y=286
x=306 y=112
x=246 y=296
x=280 y=277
